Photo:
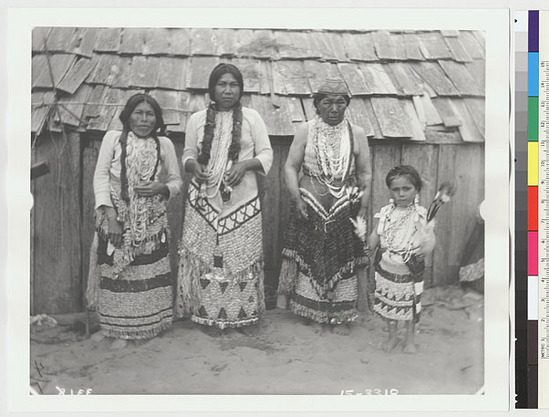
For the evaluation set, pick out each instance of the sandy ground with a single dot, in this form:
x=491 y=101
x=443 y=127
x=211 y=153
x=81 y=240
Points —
x=286 y=357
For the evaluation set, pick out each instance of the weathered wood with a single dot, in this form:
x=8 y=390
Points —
x=180 y=42
x=57 y=200
x=323 y=45
x=480 y=37
x=83 y=42
x=59 y=39
x=377 y=80
x=199 y=72
x=265 y=80
x=435 y=77
x=394 y=122
x=291 y=45
x=412 y=46
x=39 y=38
x=471 y=44
x=278 y=86
x=157 y=41
x=105 y=70
x=459 y=52
x=248 y=45
x=183 y=100
x=293 y=76
x=358 y=115
x=359 y=47
x=406 y=80
x=108 y=40
x=71 y=108
x=74 y=78
x=335 y=41
x=468 y=129
x=132 y=41
x=225 y=42
x=41 y=105
x=317 y=72
x=370 y=113
x=411 y=119
x=276 y=119
x=144 y=73
x=425 y=107
x=385 y=46
x=203 y=41
x=463 y=165
x=90 y=152
x=168 y=101
x=197 y=102
x=309 y=108
x=433 y=46
x=450 y=33
x=477 y=109
x=114 y=99
x=251 y=73
x=438 y=135
x=295 y=109
x=461 y=78
x=477 y=69
x=120 y=77
x=384 y=157
x=353 y=77
x=171 y=73
x=97 y=97
x=59 y=64
x=446 y=111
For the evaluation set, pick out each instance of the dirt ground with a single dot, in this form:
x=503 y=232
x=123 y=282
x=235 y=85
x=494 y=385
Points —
x=286 y=357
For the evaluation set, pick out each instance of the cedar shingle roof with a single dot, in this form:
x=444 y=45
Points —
x=403 y=82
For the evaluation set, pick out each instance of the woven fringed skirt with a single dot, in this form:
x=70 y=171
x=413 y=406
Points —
x=320 y=261
x=138 y=303
x=398 y=290
x=221 y=278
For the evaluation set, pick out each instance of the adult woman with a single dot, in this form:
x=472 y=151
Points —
x=221 y=258
x=322 y=254
x=135 y=295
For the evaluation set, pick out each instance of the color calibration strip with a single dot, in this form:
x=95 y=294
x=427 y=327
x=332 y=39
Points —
x=543 y=198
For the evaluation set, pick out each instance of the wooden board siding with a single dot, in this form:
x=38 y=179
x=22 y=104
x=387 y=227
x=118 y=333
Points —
x=108 y=40
x=57 y=253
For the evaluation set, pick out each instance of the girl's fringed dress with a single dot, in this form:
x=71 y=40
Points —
x=134 y=294
x=220 y=279
x=321 y=255
x=398 y=269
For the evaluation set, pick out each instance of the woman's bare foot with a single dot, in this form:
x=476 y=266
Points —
x=98 y=336
x=343 y=329
x=390 y=345
x=119 y=344
x=410 y=348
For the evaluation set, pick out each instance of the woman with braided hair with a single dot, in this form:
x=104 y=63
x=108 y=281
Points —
x=132 y=286
x=220 y=280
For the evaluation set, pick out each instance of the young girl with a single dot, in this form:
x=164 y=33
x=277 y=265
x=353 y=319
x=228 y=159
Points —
x=404 y=238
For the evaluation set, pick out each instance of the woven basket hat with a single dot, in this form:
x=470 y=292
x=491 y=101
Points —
x=334 y=85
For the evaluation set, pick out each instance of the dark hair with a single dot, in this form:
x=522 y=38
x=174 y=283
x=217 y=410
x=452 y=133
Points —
x=218 y=72
x=318 y=97
x=135 y=101
x=124 y=117
x=404 y=170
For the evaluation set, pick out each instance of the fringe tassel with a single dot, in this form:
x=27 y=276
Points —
x=94 y=276
x=224 y=324
x=191 y=268
x=137 y=334
x=321 y=317
x=288 y=276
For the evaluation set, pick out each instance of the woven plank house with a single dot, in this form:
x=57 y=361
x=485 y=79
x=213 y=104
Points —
x=418 y=95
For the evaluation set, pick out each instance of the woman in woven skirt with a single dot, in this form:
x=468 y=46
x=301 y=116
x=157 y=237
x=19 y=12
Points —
x=134 y=286
x=322 y=254
x=220 y=282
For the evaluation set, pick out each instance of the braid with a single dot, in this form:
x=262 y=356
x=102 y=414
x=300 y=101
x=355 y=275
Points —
x=234 y=149
x=123 y=172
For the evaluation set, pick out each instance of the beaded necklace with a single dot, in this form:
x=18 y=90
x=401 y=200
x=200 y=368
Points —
x=400 y=230
x=333 y=150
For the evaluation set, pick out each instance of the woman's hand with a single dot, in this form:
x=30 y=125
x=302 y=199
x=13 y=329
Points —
x=363 y=212
x=199 y=172
x=151 y=188
x=235 y=174
x=115 y=232
x=301 y=207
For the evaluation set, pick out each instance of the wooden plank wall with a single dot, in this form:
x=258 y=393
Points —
x=57 y=282
x=64 y=225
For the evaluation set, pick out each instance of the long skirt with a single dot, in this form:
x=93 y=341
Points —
x=320 y=260
x=398 y=288
x=138 y=302
x=221 y=277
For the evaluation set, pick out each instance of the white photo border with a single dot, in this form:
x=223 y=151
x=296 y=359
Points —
x=495 y=24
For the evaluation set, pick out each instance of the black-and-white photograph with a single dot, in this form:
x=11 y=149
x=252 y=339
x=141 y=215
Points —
x=258 y=210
